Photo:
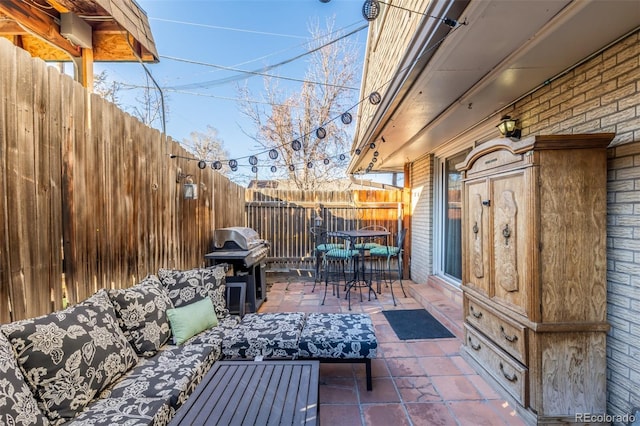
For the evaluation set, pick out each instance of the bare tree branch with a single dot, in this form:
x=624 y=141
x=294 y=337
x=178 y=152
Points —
x=322 y=98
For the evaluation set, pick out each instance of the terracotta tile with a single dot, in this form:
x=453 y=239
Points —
x=328 y=370
x=384 y=415
x=379 y=368
x=395 y=350
x=338 y=390
x=384 y=390
x=476 y=413
x=455 y=388
x=507 y=412
x=450 y=346
x=416 y=389
x=439 y=366
x=485 y=388
x=404 y=367
x=426 y=348
x=462 y=365
x=344 y=415
x=431 y=414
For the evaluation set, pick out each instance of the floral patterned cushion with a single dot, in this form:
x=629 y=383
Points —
x=142 y=314
x=173 y=373
x=17 y=404
x=338 y=336
x=134 y=411
x=153 y=390
x=186 y=287
x=71 y=355
x=273 y=335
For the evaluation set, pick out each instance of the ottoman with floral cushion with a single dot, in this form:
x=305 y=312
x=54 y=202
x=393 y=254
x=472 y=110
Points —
x=270 y=335
x=339 y=338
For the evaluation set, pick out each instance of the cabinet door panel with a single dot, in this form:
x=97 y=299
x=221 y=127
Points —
x=509 y=235
x=476 y=236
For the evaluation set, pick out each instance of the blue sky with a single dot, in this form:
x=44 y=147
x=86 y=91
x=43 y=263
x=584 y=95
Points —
x=248 y=35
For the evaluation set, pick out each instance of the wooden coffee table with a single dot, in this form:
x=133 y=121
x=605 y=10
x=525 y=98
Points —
x=254 y=393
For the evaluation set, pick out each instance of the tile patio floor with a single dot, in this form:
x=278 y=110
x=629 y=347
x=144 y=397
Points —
x=416 y=382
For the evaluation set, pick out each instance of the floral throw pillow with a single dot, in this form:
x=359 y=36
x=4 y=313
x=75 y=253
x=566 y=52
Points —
x=186 y=287
x=142 y=314
x=69 y=356
x=17 y=404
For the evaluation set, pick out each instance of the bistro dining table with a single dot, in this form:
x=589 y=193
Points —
x=359 y=278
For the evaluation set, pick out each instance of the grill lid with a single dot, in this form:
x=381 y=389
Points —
x=237 y=238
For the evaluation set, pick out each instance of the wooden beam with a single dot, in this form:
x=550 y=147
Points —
x=87 y=69
x=11 y=28
x=38 y=23
x=57 y=6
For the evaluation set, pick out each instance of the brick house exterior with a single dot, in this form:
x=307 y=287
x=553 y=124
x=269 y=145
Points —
x=600 y=94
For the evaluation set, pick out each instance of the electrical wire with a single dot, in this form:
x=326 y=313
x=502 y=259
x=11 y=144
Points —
x=216 y=27
x=222 y=67
x=267 y=68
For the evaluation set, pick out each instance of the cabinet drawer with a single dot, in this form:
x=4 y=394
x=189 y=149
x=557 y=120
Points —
x=506 y=333
x=510 y=374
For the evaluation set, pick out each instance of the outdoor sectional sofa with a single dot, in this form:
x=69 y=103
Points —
x=133 y=356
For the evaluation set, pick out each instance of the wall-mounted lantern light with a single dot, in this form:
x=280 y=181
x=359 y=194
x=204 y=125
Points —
x=190 y=191
x=508 y=127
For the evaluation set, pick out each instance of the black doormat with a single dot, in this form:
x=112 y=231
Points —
x=413 y=324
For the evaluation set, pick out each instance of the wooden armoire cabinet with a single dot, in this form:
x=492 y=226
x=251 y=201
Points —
x=534 y=271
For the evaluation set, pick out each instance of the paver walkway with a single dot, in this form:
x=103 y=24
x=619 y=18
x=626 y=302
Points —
x=416 y=382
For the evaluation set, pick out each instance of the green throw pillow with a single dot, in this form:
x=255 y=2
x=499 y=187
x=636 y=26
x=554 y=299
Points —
x=189 y=320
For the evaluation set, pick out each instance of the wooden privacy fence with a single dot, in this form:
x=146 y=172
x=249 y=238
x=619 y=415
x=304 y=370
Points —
x=91 y=198
x=284 y=217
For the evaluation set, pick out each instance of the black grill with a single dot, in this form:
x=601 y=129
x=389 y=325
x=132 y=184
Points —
x=244 y=250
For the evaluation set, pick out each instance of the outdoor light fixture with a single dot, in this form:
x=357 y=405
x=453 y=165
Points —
x=190 y=191
x=318 y=220
x=370 y=10
x=508 y=127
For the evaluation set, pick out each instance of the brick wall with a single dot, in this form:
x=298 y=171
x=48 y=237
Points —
x=603 y=95
x=623 y=278
x=386 y=49
x=422 y=214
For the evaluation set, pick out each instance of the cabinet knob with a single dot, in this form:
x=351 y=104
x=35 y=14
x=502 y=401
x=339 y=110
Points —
x=486 y=203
